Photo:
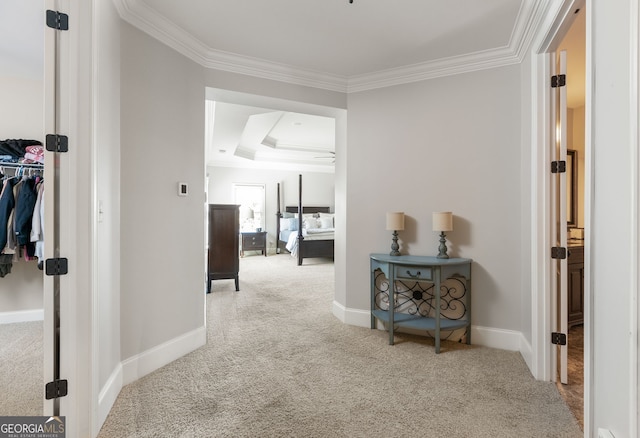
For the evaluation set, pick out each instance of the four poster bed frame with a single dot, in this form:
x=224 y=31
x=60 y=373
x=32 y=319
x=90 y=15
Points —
x=307 y=247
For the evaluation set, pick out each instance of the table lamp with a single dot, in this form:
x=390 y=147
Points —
x=395 y=223
x=443 y=221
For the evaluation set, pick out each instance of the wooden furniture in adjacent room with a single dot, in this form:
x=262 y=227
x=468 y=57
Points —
x=575 y=286
x=254 y=241
x=411 y=291
x=224 y=243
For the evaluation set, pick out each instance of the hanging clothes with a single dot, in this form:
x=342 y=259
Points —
x=37 y=225
x=25 y=202
x=18 y=200
x=6 y=263
x=7 y=202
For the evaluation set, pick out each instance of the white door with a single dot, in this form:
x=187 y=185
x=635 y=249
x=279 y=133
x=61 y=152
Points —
x=51 y=336
x=559 y=215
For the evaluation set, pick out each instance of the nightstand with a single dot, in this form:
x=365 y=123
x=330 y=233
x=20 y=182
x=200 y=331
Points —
x=256 y=241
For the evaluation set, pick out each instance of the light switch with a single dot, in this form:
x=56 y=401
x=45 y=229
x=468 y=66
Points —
x=183 y=189
x=100 y=212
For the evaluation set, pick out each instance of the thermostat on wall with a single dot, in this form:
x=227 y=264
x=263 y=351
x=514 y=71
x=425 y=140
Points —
x=183 y=189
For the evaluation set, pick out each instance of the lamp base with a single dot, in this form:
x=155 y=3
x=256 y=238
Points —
x=394 y=245
x=442 y=249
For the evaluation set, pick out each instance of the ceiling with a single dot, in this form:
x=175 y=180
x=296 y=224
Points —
x=337 y=45
x=328 y=44
x=247 y=136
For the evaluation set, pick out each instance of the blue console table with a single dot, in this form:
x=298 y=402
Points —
x=410 y=278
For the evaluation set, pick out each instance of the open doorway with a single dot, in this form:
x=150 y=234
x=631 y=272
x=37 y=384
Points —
x=574 y=43
x=256 y=148
x=562 y=330
x=21 y=281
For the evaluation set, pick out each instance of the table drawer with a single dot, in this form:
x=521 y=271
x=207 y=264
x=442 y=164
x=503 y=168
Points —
x=414 y=272
x=253 y=243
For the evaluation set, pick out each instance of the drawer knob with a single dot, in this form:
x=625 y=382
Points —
x=413 y=276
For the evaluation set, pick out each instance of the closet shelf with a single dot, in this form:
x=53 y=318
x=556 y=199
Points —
x=9 y=165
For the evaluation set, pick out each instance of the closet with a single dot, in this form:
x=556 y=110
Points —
x=22 y=298
x=21 y=278
x=21 y=212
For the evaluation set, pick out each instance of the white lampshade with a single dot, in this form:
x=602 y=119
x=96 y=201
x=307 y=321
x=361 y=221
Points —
x=395 y=221
x=443 y=221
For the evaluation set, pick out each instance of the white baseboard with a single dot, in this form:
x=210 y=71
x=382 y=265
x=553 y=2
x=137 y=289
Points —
x=526 y=351
x=357 y=317
x=485 y=336
x=22 y=316
x=109 y=394
x=144 y=363
x=148 y=361
x=496 y=338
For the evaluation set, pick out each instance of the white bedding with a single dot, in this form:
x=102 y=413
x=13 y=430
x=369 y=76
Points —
x=309 y=234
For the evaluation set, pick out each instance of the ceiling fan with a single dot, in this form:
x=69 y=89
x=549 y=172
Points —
x=332 y=156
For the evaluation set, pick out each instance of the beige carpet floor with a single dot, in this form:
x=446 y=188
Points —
x=279 y=364
x=21 y=368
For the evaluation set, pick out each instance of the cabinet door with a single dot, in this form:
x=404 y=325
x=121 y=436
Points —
x=575 y=286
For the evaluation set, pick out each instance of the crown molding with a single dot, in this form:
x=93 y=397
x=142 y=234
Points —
x=138 y=14
x=530 y=14
x=433 y=69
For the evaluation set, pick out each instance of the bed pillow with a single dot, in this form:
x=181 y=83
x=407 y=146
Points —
x=284 y=224
x=328 y=216
x=310 y=223
x=325 y=222
x=289 y=223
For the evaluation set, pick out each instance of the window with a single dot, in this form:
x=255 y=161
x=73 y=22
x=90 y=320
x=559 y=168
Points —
x=251 y=198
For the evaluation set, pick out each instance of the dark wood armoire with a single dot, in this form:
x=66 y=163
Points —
x=224 y=243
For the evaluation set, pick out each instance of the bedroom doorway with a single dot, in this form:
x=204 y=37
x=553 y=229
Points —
x=329 y=168
x=565 y=142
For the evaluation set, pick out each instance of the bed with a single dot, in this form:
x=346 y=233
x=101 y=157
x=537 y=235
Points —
x=306 y=235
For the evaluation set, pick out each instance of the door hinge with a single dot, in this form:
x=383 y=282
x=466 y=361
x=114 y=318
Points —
x=558 y=338
x=558 y=166
x=57 y=20
x=56 y=389
x=57 y=143
x=558 y=81
x=57 y=266
x=558 y=252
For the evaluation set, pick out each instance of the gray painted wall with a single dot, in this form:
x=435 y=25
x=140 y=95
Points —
x=162 y=143
x=448 y=144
